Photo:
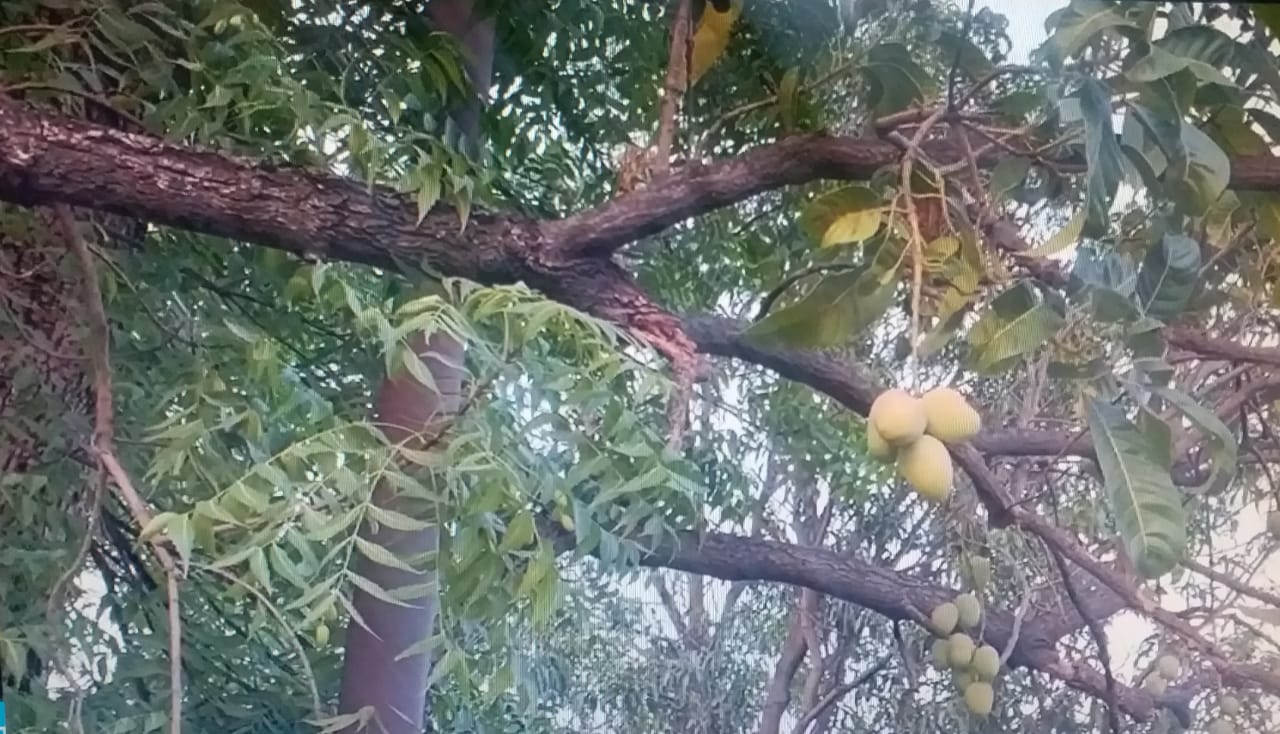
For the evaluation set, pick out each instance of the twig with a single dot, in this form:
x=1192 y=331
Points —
x=835 y=694
x=917 y=243
x=316 y=706
x=955 y=62
x=103 y=430
x=1232 y=583
x=675 y=85
x=1099 y=638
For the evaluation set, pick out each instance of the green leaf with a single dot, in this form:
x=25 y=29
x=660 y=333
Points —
x=520 y=533
x=1207 y=172
x=1103 y=155
x=1017 y=323
x=1168 y=276
x=258 y=567
x=895 y=80
x=1008 y=174
x=1159 y=63
x=821 y=219
x=1084 y=20
x=394 y=519
x=1147 y=507
x=1223 y=443
x=833 y=313
x=788 y=98
x=973 y=62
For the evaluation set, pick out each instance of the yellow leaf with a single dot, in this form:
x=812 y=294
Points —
x=711 y=38
x=852 y=227
x=1066 y=237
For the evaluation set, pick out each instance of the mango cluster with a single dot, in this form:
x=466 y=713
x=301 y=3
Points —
x=913 y=432
x=974 y=667
x=1227 y=706
x=1166 y=671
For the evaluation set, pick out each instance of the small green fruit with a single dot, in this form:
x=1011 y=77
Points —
x=986 y=662
x=322 y=634
x=1155 y=684
x=944 y=619
x=962 y=678
x=1229 y=705
x=970 y=610
x=1169 y=667
x=979 y=697
x=961 y=650
x=941 y=652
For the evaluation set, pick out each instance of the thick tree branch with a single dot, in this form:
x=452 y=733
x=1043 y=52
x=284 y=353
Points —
x=893 y=594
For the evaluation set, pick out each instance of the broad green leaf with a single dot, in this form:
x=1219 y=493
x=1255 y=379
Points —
x=1103 y=155
x=1168 y=276
x=1207 y=172
x=1159 y=63
x=1017 y=323
x=825 y=212
x=1147 y=507
x=833 y=313
x=896 y=81
x=955 y=48
x=1008 y=174
x=1079 y=24
x=1223 y=443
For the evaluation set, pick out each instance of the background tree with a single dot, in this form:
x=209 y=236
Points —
x=225 y=223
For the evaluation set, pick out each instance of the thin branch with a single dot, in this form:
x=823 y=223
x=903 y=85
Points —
x=837 y=693
x=103 y=432
x=675 y=84
x=1099 y=638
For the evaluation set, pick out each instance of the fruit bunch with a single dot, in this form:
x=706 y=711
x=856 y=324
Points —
x=974 y=667
x=913 y=432
x=1167 y=670
x=1227 y=706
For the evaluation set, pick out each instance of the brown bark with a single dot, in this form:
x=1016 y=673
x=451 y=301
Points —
x=377 y=676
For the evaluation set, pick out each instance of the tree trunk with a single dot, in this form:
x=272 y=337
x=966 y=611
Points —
x=374 y=677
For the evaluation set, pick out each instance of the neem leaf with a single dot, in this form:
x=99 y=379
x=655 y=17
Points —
x=1147 y=507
